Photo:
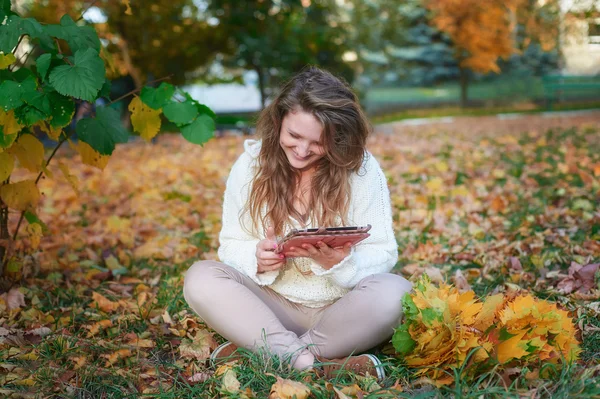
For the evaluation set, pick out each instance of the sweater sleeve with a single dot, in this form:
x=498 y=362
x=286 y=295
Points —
x=379 y=252
x=237 y=246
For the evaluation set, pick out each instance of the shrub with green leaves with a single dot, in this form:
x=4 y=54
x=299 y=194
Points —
x=41 y=96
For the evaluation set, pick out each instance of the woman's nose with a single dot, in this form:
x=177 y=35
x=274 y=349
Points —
x=303 y=149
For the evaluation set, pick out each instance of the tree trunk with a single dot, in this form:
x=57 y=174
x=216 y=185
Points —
x=133 y=71
x=261 y=85
x=464 y=85
x=4 y=237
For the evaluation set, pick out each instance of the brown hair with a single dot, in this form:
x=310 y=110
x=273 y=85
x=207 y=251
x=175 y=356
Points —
x=345 y=131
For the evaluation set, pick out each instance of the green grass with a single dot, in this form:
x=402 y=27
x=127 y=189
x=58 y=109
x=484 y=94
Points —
x=526 y=108
x=502 y=89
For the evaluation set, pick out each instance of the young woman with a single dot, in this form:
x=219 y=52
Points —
x=319 y=305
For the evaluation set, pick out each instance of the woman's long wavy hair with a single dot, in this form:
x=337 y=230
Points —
x=345 y=132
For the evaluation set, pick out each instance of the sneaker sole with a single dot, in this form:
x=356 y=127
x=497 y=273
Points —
x=378 y=366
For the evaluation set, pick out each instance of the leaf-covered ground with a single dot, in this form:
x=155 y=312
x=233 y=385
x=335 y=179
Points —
x=495 y=205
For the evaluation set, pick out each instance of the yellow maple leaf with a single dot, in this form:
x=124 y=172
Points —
x=22 y=195
x=512 y=348
x=550 y=331
x=145 y=120
x=30 y=152
x=9 y=123
x=7 y=164
x=488 y=313
x=6 y=60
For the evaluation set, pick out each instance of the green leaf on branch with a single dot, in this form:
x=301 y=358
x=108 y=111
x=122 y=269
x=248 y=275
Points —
x=203 y=109
x=12 y=93
x=180 y=113
x=409 y=307
x=200 y=130
x=42 y=105
x=22 y=74
x=78 y=37
x=9 y=34
x=39 y=100
x=156 y=98
x=82 y=80
x=16 y=26
x=29 y=115
x=43 y=64
x=103 y=131
x=62 y=111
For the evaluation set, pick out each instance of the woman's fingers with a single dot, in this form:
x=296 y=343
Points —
x=267 y=268
x=266 y=255
x=298 y=253
x=271 y=263
x=312 y=251
x=325 y=249
x=268 y=245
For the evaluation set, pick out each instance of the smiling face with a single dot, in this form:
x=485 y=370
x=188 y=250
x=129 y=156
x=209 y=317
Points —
x=300 y=139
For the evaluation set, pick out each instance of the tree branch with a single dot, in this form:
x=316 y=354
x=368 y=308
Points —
x=38 y=179
x=12 y=67
x=136 y=90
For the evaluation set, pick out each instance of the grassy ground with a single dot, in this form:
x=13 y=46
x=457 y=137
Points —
x=525 y=108
x=103 y=314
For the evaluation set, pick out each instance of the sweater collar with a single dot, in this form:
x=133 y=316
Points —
x=252 y=147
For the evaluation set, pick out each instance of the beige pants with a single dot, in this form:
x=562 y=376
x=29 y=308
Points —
x=253 y=316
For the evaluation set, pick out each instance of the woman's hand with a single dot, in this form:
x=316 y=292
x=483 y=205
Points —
x=266 y=258
x=322 y=253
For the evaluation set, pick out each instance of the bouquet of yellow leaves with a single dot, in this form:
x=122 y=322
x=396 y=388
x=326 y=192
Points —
x=444 y=328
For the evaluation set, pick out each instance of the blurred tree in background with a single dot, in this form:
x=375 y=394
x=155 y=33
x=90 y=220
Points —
x=417 y=43
x=146 y=39
x=483 y=32
x=276 y=38
x=395 y=44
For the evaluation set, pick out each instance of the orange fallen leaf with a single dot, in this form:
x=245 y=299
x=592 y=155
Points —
x=116 y=356
x=103 y=303
x=97 y=327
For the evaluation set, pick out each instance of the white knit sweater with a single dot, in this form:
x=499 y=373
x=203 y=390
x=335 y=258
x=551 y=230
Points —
x=370 y=204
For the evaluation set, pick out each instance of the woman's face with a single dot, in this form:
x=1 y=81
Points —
x=300 y=139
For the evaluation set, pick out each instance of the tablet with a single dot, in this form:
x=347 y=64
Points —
x=335 y=237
